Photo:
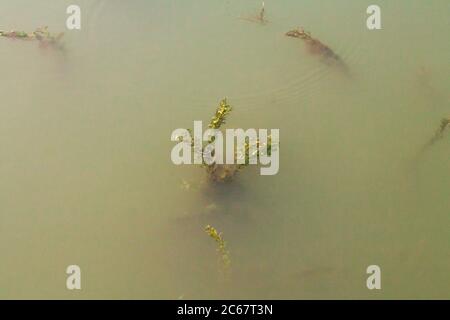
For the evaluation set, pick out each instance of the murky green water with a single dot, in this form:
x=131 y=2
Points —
x=85 y=169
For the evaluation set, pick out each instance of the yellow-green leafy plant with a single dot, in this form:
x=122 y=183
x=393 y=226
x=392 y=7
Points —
x=221 y=114
x=224 y=254
x=226 y=172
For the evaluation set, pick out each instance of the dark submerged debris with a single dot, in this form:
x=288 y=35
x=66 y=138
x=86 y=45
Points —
x=222 y=172
x=42 y=35
x=316 y=47
x=259 y=18
x=445 y=123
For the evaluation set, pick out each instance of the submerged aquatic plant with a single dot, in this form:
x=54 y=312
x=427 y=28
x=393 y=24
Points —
x=259 y=18
x=316 y=47
x=257 y=152
x=445 y=123
x=42 y=35
x=226 y=172
x=220 y=172
x=224 y=254
x=221 y=114
x=17 y=34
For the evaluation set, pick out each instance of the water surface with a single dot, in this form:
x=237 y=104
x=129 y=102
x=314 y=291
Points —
x=86 y=176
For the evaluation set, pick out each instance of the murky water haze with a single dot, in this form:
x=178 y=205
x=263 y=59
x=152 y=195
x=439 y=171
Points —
x=86 y=176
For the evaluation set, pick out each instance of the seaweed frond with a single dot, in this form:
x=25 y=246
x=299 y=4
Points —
x=221 y=247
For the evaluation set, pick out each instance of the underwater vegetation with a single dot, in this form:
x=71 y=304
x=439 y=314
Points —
x=221 y=114
x=226 y=172
x=42 y=35
x=224 y=254
x=220 y=172
x=259 y=18
x=445 y=123
x=316 y=47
